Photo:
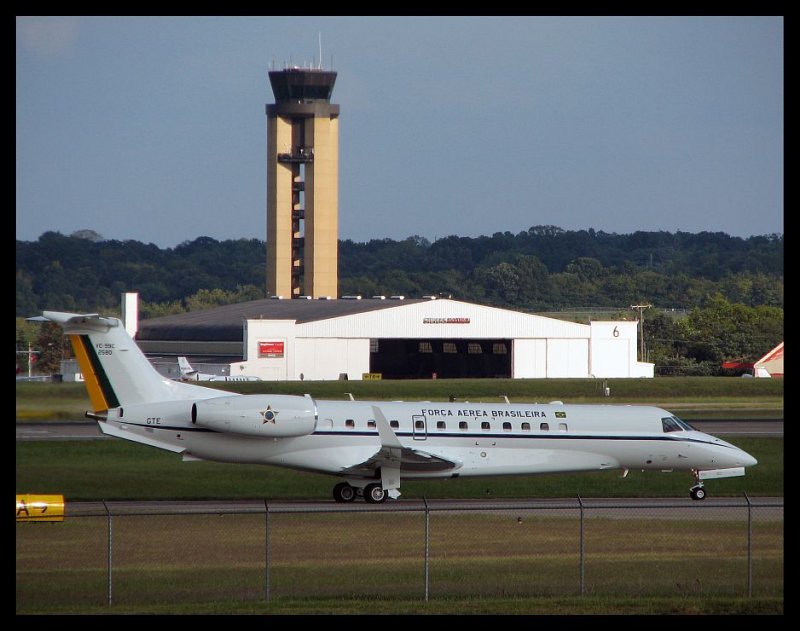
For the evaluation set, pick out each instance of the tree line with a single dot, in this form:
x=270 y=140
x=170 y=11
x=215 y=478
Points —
x=727 y=291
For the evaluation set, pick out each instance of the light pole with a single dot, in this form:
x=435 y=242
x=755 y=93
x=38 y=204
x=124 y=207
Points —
x=31 y=354
x=641 y=309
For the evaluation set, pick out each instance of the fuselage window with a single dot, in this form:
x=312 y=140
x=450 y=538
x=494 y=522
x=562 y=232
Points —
x=507 y=426
x=371 y=423
x=394 y=424
x=349 y=423
x=463 y=426
x=419 y=424
x=526 y=427
x=441 y=425
x=486 y=426
x=544 y=427
x=562 y=427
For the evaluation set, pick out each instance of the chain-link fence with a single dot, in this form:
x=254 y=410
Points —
x=150 y=552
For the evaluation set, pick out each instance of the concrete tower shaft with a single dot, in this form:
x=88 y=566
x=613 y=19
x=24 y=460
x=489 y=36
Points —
x=302 y=185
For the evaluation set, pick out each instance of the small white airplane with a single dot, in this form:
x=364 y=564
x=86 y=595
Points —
x=373 y=445
x=190 y=374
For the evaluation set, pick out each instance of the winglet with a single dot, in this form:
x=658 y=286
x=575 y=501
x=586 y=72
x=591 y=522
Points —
x=390 y=454
x=388 y=437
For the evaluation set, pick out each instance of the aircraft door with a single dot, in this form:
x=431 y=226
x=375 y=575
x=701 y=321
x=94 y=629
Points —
x=420 y=426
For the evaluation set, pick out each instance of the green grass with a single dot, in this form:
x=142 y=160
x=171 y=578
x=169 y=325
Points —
x=119 y=470
x=699 y=605
x=518 y=558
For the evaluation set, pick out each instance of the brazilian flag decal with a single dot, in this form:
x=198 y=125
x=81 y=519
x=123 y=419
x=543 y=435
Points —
x=98 y=385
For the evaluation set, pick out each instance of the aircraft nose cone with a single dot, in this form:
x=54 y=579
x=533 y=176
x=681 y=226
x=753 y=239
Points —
x=748 y=460
x=739 y=456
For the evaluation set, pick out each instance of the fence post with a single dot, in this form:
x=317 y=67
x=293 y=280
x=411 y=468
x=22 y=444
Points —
x=749 y=546
x=427 y=546
x=110 y=553
x=266 y=551
x=582 y=559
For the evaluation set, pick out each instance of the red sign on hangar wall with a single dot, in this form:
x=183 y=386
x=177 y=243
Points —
x=270 y=349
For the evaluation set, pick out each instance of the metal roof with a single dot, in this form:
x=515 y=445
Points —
x=225 y=323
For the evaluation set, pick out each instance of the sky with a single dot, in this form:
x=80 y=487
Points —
x=154 y=128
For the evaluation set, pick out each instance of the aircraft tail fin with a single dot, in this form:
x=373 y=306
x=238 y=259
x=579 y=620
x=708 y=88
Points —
x=185 y=367
x=115 y=370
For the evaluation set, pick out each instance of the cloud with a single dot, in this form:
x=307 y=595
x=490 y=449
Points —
x=47 y=37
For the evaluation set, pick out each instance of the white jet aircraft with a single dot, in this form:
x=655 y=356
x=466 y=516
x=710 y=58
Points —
x=373 y=445
x=190 y=374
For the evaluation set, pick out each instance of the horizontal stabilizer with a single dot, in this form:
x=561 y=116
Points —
x=119 y=431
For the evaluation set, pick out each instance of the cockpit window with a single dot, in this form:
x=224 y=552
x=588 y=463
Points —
x=674 y=424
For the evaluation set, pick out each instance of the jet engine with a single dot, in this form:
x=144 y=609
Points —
x=270 y=416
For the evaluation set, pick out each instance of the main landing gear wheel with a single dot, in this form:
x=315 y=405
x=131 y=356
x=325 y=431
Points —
x=343 y=492
x=375 y=494
x=697 y=493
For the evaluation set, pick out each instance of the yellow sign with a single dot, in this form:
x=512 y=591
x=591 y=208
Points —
x=371 y=375
x=40 y=508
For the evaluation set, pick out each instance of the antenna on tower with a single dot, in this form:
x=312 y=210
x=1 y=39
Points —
x=320 y=50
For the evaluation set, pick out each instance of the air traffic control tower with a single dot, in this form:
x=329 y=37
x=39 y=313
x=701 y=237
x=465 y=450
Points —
x=302 y=185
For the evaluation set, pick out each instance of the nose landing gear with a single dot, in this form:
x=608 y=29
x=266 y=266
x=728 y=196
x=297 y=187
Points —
x=697 y=492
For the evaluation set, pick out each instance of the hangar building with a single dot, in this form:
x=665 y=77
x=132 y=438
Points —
x=395 y=338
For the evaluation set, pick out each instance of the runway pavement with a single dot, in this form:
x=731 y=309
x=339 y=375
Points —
x=622 y=508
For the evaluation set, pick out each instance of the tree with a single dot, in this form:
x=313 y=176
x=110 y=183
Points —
x=27 y=334
x=663 y=338
x=586 y=268
x=89 y=235
x=26 y=296
x=53 y=347
x=502 y=284
x=534 y=282
x=723 y=330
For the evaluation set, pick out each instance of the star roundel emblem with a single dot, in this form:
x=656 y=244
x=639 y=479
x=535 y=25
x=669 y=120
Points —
x=269 y=415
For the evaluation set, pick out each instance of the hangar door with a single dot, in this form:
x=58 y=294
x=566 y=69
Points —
x=447 y=358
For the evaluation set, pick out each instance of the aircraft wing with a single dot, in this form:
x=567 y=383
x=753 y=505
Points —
x=393 y=455
x=408 y=460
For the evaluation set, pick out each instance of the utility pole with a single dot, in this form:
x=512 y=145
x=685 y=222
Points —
x=641 y=309
x=30 y=353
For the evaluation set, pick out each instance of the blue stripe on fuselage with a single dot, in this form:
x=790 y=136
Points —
x=471 y=436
